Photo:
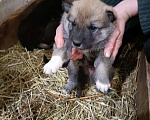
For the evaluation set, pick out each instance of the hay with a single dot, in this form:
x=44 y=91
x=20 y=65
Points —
x=27 y=93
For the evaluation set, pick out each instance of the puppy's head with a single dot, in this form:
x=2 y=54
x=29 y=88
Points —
x=89 y=23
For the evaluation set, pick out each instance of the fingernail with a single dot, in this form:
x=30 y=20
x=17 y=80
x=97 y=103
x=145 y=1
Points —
x=107 y=54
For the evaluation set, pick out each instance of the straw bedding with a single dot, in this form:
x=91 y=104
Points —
x=27 y=93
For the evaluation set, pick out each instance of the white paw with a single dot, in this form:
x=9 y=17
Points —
x=53 y=65
x=102 y=87
x=65 y=91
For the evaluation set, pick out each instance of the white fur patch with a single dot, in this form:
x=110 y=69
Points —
x=102 y=87
x=53 y=65
x=64 y=91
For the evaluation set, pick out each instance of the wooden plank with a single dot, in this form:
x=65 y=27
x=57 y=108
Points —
x=8 y=7
x=9 y=26
x=143 y=89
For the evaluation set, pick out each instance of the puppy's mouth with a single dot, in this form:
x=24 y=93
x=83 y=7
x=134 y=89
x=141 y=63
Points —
x=81 y=47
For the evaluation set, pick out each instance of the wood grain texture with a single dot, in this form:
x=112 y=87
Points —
x=143 y=89
x=9 y=26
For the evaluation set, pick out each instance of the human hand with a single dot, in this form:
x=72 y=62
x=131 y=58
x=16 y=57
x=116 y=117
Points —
x=124 y=10
x=60 y=42
x=59 y=37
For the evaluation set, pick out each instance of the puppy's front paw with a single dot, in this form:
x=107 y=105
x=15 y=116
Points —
x=68 y=87
x=102 y=87
x=53 y=65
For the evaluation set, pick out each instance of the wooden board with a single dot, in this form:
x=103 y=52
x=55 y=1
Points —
x=143 y=89
x=9 y=26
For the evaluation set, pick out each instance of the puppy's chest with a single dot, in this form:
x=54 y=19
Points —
x=89 y=58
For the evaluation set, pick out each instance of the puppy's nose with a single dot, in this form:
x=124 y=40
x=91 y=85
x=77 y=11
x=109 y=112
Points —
x=76 y=43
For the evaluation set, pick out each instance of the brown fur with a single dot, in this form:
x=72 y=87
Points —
x=95 y=12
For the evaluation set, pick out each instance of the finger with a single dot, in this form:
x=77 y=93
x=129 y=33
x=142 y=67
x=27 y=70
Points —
x=118 y=41
x=59 y=37
x=73 y=52
x=111 y=43
x=116 y=48
x=77 y=56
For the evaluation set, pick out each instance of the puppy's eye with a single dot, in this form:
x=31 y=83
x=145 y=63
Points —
x=73 y=23
x=93 y=28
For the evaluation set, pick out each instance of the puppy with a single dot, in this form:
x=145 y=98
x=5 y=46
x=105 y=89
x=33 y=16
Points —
x=87 y=26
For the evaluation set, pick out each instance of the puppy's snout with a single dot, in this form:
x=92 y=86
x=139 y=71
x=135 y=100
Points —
x=77 y=43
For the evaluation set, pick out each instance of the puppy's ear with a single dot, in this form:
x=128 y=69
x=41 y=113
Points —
x=66 y=6
x=111 y=15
